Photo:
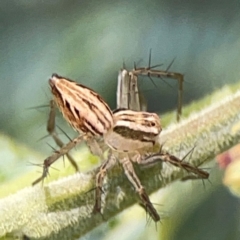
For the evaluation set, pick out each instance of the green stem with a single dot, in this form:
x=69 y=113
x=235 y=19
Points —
x=63 y=208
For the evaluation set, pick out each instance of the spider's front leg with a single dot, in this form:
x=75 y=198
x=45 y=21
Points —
x=151 y=71
x=133 y=178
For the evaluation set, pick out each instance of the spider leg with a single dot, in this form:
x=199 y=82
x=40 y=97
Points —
x=134 y=102
x=132 y=177
x=106 y=165
x=127 y=91
x=123 y=89
x=51 y=130
x=150 y=71
x=166 y=157
x=54 y=157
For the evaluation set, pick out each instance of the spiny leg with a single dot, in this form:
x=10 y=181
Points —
x=54 y=157
x=132 y=177
x=128 y=94
x=166 y=157
x=151 y=72
x=127 y=90
x=109 y=163
x=52 y=132
x=178 y=76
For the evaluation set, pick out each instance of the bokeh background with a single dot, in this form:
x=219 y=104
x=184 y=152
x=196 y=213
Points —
x=88 y=41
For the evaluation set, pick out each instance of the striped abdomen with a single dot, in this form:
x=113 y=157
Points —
x=82 y=107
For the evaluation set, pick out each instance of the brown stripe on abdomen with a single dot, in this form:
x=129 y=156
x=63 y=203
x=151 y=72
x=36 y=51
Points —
x=135 y=134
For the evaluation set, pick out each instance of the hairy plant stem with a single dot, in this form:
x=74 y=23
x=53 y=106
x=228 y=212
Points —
x=63 y=208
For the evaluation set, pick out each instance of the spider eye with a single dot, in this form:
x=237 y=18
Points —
x=153 y=124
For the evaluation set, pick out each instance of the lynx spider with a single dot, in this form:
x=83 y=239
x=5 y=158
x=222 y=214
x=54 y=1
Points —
x=87 y=112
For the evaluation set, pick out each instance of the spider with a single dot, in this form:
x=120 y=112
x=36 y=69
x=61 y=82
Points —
x=132 y=136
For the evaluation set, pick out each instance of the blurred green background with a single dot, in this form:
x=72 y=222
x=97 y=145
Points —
x=87 y=41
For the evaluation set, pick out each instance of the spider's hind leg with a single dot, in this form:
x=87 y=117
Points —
x=52 y=132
